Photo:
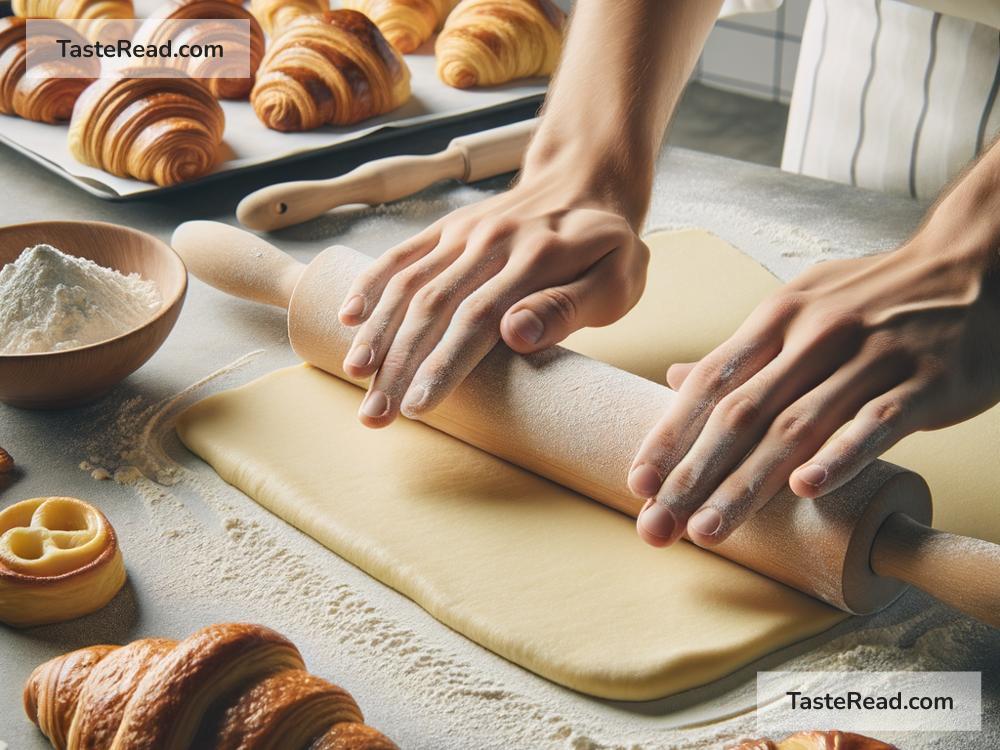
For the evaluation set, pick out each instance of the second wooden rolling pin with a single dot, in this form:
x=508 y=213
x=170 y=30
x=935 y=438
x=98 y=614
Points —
x=468 y=158
x=579 y=422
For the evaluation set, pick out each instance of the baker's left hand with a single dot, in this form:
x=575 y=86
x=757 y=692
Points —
x=891 y=344
x=530 y=265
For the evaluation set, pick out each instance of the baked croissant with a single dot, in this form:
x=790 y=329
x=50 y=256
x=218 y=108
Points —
x=48 y=95
x=335 y=68
x=489 y=42
x=59 y=559
x=818 y=741
x=275 y=15
x=83 y=9
x=165 y=129
x=405 y=23
x=226 y=687
x=226 y=75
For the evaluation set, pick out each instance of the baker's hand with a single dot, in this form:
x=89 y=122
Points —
x=887 y=345
x=531 y=265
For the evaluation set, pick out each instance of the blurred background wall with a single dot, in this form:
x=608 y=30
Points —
x=755 y=53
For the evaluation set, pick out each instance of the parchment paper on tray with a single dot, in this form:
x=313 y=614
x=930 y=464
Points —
x=248 y=143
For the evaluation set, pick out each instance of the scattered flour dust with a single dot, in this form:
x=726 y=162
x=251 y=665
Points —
x=50 y=301
x=412 y=676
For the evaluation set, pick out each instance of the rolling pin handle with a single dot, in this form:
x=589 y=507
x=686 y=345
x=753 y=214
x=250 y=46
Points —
x=962 y=572
x=468 y=158
x=237 y=262
x=496 y=151
x=381 y=181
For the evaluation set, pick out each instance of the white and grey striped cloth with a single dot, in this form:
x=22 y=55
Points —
x=892 y=96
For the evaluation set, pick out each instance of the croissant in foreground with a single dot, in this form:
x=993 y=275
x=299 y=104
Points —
x=163 y=127
x=331 y=69
x=48 y=95
x=818 y=741
x=82 y=9
x=489 y=42
x=225 y=687
x=405 y=23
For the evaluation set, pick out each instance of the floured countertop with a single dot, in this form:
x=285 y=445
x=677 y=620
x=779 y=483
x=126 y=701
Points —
x=200 y=552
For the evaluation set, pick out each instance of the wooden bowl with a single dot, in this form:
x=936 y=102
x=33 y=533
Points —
x=70 y=377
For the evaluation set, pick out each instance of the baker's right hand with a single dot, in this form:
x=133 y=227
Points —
x=531 y=265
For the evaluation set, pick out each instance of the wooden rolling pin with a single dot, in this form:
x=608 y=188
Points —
x=468 y=158
x=579 y=422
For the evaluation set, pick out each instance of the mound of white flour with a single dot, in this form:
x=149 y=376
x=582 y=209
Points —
x=51 y=301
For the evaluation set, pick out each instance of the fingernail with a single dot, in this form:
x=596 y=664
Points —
x=813 y=475
x=644 y=480
x=658 y=521
x=353 y=307
x=375 y=405
x=706 y=521
x=359 y=356
x=527 y=326
x=413 y=400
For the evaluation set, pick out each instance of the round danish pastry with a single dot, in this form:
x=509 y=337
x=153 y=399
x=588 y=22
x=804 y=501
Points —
x=59 y=559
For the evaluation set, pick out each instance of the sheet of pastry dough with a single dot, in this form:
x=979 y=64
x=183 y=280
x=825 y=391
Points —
x=530 y=570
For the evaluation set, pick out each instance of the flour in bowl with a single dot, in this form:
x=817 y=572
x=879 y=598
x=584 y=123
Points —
x=50 y=301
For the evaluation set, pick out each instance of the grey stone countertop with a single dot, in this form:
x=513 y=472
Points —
x=786 y=222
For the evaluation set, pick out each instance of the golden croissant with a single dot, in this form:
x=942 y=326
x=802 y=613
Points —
x=59 y=559
x=225 y=687
x=227 y=76
x=49 y=93
x=405 y=23
x=275 y=15
x=489 y=42
x=82 y=9
x=165 y=129
x=817 y=741
x=335 y=68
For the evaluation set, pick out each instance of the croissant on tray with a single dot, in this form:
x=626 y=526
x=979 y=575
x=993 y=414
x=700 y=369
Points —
x=275 y=15
x=227 y=76
x=405 y=23
x=332 y=69
x=818 y=741
x=489 y=42
x=55 y=83
x=226 y=686
x=83 y=9
x=163 y=126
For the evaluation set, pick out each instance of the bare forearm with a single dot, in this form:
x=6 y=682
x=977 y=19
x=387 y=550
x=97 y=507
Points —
x=623 y=70
x=965 y=223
